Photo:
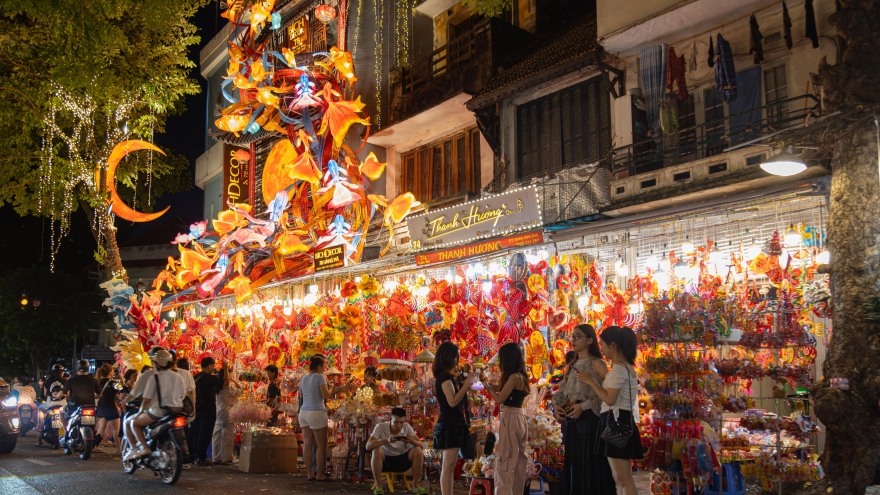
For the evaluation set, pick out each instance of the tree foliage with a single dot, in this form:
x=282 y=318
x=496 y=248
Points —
x=31 y=338
x=488 y=8
x=75 y=79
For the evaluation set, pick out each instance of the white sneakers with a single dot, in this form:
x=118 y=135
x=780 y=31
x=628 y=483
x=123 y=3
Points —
x=134 y=454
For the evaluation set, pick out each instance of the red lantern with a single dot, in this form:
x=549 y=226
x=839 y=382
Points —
x=325 y=13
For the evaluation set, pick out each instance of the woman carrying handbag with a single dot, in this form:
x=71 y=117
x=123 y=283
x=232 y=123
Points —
x=618 y=434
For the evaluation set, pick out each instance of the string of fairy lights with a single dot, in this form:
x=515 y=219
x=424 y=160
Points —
x=378 y=55
x=73 y=161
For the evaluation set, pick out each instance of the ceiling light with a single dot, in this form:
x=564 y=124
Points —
x=784 y=164
x=792 y=236
x=687 y=246
x=823 y=258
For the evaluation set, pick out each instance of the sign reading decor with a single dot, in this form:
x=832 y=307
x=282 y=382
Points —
x=329 y=258
x=480 y=248
x=298 y=35
x=506 y=213
x=235 y=175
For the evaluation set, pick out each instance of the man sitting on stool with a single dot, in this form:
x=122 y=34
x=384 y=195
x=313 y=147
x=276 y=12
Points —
x=400 y=449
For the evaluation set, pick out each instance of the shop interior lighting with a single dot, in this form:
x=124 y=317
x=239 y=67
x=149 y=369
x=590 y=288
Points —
x=310 y=299
x=172 y=313
x=583 y=300
x=183 y=325
x=487 y=287
x=422 y=291
x=623 y=270
x=784 y=164
x=653 y=263
x=792 y=236
x=665 y=265
x=390 y=285
x=687 y=246
x=231 y=311
x=297 y=302
x=313 y=289
x=823 y=258
x=448 y=277
x=457 y=279
x=753 y=251
x=681 y=269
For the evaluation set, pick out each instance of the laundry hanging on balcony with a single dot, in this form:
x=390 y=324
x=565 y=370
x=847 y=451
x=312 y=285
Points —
x=810 y=31
x=692 y=59
x=675 y=69
x=756 y=48
x=725 y=70
x=786 y=26
x=711 y=52
x=668 y=117
x=653 y=68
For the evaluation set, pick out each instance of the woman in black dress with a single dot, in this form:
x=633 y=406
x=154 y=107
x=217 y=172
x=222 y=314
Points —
x=577 y=406
x=451 y=431
x=619 y=394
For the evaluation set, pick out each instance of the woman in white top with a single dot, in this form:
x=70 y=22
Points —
x=619 y=392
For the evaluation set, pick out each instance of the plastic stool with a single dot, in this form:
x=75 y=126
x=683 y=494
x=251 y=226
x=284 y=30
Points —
x=485 y=484
x=391 y=478
x=733 y=481
x=539 y=491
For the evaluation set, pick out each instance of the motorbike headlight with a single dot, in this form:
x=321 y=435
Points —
x=10 y=401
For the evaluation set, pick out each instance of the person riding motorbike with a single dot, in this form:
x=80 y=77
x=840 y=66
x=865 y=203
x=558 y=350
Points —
x=52 y=391
x=80 y=390
x=163 y=394
x=138 y=391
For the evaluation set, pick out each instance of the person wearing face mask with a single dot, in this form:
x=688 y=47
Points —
x=577 y=406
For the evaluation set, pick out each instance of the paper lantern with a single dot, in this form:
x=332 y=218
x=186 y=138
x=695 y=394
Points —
x=325 y=13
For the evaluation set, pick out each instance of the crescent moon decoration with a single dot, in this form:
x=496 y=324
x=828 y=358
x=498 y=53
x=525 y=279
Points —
x=118 y=207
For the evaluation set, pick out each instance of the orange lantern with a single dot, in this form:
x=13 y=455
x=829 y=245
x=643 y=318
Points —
x=325 y=13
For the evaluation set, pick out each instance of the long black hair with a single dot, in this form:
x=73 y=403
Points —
x=590 y=333
x=511 y=361
x=445 y=359
x=624 y=339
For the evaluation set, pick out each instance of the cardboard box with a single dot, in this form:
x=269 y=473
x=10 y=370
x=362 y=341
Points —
x=261 y=453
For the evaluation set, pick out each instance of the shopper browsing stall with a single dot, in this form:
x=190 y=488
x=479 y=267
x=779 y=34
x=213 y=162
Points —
x=619 y=393
x=577 y=407
x=451 y=430
x=511 y=461
x=314 y=390
x=396 y=449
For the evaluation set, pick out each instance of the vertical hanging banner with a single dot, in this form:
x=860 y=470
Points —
x=298 y=36
x=236 y=175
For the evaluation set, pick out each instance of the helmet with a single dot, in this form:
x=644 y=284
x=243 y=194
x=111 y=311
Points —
x=82 y=366
x=57 y=367
x=162 y=358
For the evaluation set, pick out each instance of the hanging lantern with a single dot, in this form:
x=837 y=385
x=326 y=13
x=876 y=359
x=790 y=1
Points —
x=325 y=13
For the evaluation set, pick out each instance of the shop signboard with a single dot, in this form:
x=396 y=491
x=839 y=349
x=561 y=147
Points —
x=329 y=257
x=480 y=248
x=504 y=214
x=236 y=180
x=298 y=35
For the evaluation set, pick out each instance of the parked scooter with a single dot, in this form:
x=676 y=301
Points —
x=80 y=436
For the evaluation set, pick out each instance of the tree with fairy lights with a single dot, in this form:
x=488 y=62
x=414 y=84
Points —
x=76 y=79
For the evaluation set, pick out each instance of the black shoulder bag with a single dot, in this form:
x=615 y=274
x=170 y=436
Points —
x=615 y=433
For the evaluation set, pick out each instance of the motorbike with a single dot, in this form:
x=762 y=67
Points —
x=80 y=436
x=53 y=426
x=167 y=439
x=9 y=421
x=27 y=415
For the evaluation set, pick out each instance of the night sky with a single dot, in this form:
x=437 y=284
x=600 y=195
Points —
x=25 y=241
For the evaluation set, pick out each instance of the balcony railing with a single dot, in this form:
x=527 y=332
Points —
x=712 y=137
x=464 y=64
x=460 y=52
